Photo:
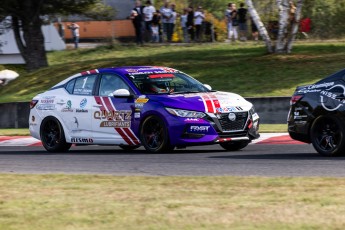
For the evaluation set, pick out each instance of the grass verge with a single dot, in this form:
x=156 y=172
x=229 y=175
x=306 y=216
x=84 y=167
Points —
x=109 y=202
x=242 y=68
x=264 y=128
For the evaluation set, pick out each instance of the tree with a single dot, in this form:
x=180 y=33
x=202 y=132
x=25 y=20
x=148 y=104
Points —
x=289 y=17
x=27 y=18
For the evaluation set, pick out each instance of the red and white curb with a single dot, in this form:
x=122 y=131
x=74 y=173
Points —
x=265 y=138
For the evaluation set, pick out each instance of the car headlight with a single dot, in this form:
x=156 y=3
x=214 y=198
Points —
x=185 y=113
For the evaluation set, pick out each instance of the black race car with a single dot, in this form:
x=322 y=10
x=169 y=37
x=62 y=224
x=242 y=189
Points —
x=317 y=115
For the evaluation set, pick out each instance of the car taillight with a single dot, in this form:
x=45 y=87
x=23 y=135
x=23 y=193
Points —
x=295 y=98
x=33 y=103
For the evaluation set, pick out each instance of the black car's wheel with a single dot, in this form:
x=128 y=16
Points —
x=328 y=136
x=129 y=147
x=53 y=136
x=154 y=135
x=234 y=145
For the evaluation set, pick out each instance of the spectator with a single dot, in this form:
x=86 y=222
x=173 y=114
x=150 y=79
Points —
x=190 y=22
x=74 y=27
x=148 y=12
x=157 y=20
x=166 y=15
x=199 y=18
x=183 y=20
x=234 y=22
x=155 y=32
x=305 y=26
x=136 y=16
x=242 y=22
x=228 y=20
x=172 y=22
x=255 y=33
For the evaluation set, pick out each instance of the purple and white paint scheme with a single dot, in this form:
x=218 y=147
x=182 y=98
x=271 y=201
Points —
x=158 y=107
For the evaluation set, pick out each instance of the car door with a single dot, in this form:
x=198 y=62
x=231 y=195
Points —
x=113 y=116
x=77 y=111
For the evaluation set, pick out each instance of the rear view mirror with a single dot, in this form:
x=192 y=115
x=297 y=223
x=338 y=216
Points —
x=208 y=86
x=121 y=93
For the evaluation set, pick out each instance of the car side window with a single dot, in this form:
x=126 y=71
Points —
x=84 y=85
x=110 y=83
x=70 y=85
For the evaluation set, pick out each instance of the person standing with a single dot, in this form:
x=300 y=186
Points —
x=148 y=12
x=255 y=32
x=172 y=22
x=74 y=27
x=234 y=21
x=190 y=22
x=242 y=22
x=199 y=18
x=137 y=19
x=183 y=21
x=166 y=15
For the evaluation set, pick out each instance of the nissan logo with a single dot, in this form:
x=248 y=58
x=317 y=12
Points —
x=232 y=116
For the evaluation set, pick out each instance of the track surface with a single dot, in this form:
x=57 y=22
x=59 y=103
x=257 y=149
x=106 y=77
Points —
x=255 y=160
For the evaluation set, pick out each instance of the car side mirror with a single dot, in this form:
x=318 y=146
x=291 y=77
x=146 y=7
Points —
x=208 y=86
x=122 y=93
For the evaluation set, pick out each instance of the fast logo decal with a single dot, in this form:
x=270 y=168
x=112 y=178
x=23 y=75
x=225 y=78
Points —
x=125 y=132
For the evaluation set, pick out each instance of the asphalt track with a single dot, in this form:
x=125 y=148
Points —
x=255 y=160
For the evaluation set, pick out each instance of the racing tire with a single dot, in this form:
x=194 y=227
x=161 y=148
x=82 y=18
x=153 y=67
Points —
x=234 y=145
x=328 y=136
x=129 y=147
x=154 y=135
x=53 y=136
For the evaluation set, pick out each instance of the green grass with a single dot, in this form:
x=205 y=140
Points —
x=264 y=128
x=242 y=68
x=75 y=202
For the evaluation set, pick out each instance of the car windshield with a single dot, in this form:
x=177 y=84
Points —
x=167 y=83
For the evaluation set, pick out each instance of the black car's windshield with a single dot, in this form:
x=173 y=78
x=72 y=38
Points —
x=166 y=83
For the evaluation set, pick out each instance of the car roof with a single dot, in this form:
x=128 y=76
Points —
x=124 y=70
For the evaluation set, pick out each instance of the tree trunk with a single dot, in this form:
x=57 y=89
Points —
x=295 y=25
x=261 y=28
x=30 y=41
x=283 y=7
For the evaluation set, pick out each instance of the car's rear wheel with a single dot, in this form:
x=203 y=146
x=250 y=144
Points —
x=53 y=136
x=328 y=136
x=129 y=147
x=154 y=135
x=234 y=145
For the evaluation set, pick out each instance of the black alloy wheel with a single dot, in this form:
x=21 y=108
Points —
x=52 y=136
x=328 y=135
x=154 y=135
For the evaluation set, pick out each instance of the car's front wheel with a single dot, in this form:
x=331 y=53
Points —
x=53 y=136
x=154 y=135
x=328 y=136
x=234 y=145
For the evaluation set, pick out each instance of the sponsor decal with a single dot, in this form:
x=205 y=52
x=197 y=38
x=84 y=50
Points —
x=93 y=71
x=83 y=103
x=136 y=115
x=229 y=109
x=232 y=116
x=81 y=140
x=131 y=70
x=32 y=123
x=47 y=101
x=68 y=107
x=117 y=124
x=199 y=128
x=141 y=100
x=81 y=110
x=316 y=87
x=193 y=120
x=45 y=107
x=139 y=105
x=119 y=115
x=33 y=118
x=76 y=123
x=332 y=102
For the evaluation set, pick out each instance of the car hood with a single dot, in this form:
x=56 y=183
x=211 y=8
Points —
x=211 y=102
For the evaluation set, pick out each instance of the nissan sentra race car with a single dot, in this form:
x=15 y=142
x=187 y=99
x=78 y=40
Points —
x=159 y=108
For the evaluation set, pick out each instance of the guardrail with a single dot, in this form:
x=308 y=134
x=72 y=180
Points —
x=272 y=110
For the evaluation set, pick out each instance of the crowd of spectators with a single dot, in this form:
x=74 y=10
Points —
x=159 y=25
